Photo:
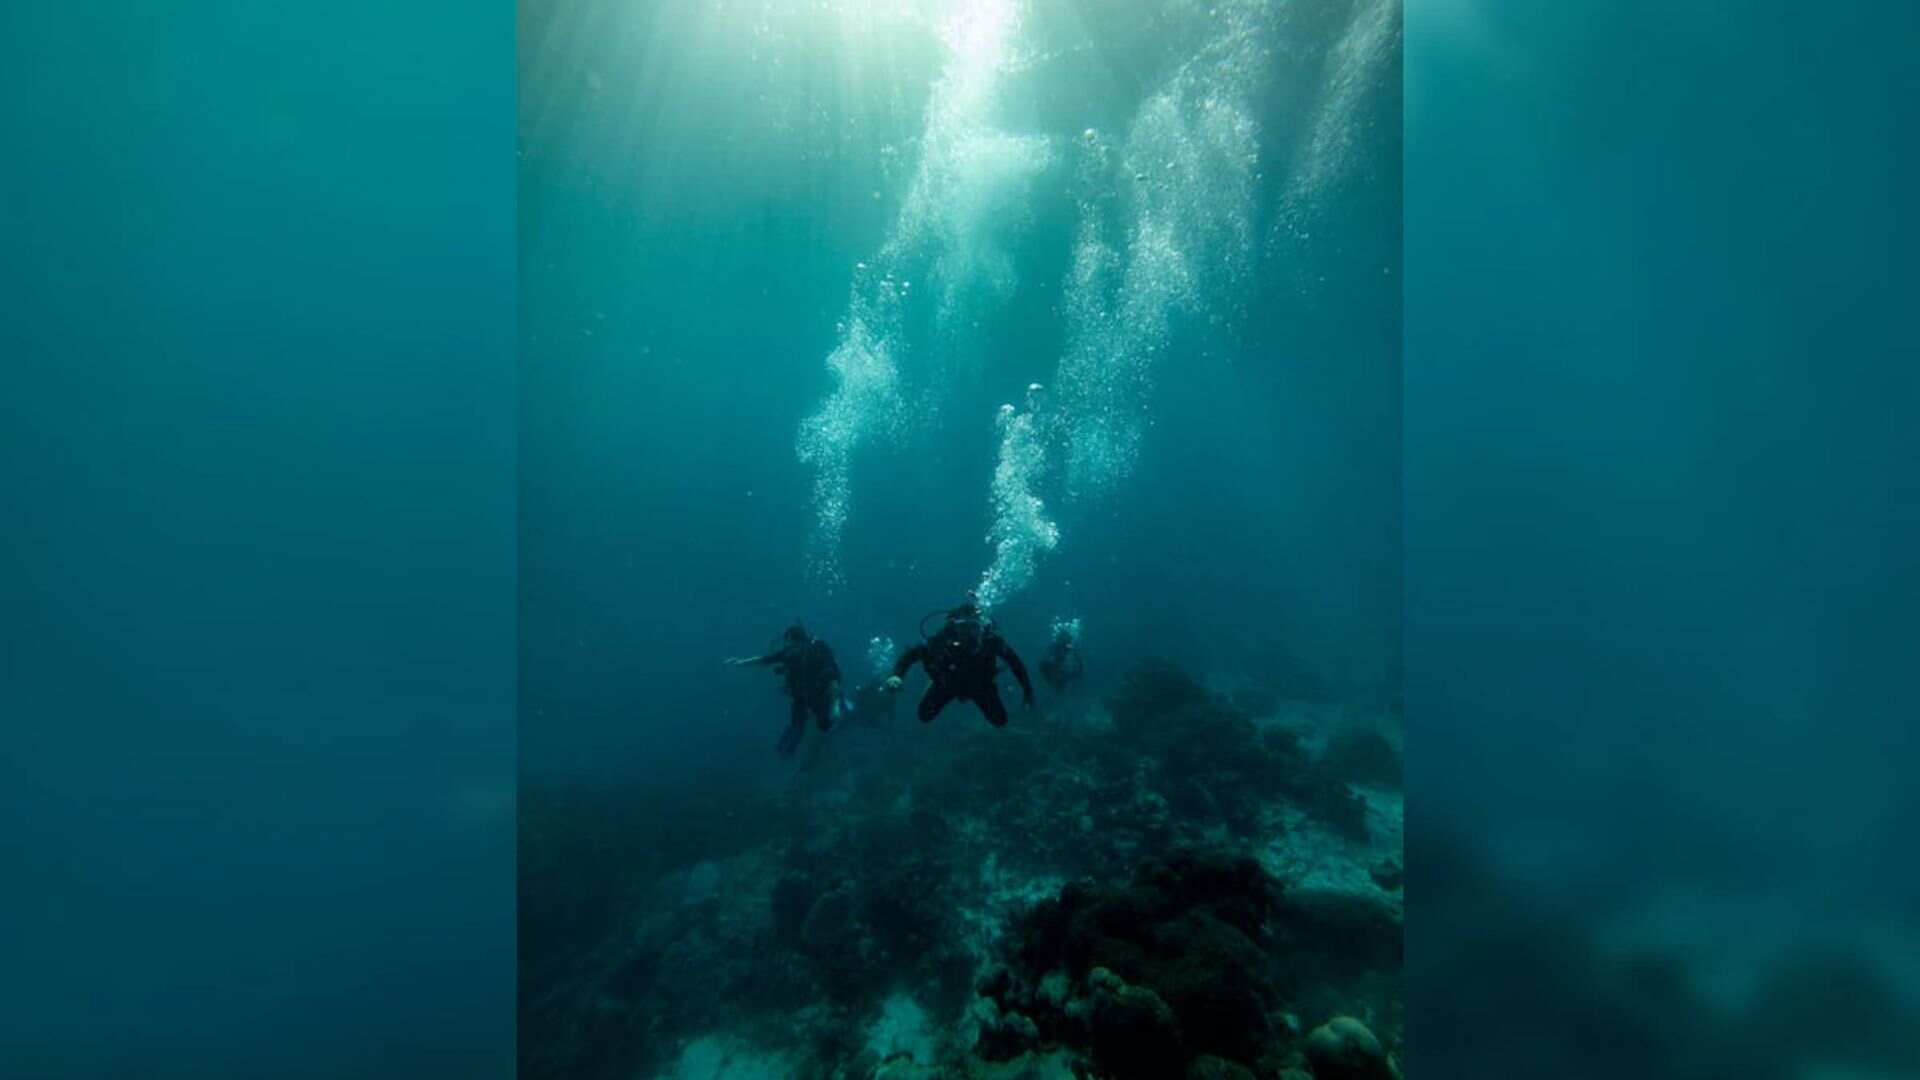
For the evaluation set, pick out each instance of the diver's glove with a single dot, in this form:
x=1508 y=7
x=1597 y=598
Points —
x=892 y=684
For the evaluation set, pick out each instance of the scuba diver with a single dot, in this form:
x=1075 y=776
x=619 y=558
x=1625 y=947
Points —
x=962 y=660
x=873 y=705
x=1062 y=666
x=812 y=677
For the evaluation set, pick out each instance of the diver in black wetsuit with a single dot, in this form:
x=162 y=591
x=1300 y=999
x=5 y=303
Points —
x=1062 y=667
x=962 y=660
x=813 y=681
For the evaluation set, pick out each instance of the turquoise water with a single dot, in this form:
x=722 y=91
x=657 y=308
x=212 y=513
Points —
x=841 y=310
x=1661 y=496
x=783 y=265
x=257 y=433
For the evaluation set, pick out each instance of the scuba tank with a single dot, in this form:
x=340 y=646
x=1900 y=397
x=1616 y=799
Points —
x=959 y=641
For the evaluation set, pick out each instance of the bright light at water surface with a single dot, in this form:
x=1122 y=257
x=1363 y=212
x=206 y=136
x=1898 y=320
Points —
x=977 y=32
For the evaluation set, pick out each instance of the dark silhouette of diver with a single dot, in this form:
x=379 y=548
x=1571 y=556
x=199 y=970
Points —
x=1062 y=666
x=812 y=677
x=962 y=660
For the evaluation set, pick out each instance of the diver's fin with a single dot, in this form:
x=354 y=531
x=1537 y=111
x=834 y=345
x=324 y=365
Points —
x=790 y=739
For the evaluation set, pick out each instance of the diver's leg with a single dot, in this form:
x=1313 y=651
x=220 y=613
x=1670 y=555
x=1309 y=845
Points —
x=823 y=713
x=936 y=699
x=988 y=698
x=790 y=738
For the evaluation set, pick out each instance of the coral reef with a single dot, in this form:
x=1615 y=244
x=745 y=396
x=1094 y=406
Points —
x=1343 y=1049
x=1362 y=755
x=1216 y=763
x=1192 y=965
x=1160 y=970
x=1166 y=887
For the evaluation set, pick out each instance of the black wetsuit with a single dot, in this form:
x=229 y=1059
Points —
x=1062 y=666
x=963 y=670
x=811 y=674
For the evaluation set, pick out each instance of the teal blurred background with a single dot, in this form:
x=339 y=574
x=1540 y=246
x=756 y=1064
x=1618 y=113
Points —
x=1662 y=520
x=256 y=566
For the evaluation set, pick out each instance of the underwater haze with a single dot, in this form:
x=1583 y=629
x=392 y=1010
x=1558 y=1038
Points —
x=699 y=190
x=256 y=586
x=839 y=311
x=1661 y=514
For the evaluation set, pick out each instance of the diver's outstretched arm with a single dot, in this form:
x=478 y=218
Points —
x=1019 y=669
x=908 y=659
x=903 y=665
